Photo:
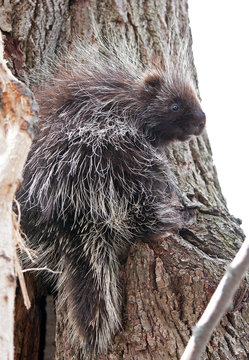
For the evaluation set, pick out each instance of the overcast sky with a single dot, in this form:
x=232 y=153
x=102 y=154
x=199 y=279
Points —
x=220 y=30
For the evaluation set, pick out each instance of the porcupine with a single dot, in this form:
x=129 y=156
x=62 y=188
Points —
x=97 y=177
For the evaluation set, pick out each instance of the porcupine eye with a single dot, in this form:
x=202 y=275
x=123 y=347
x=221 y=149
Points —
x=175 y=107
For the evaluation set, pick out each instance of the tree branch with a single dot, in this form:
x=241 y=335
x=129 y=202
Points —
x=218 y=304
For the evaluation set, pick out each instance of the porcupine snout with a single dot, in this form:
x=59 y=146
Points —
x=199 y=122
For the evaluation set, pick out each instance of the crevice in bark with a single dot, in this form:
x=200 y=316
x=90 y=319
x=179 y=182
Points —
x=30 y=324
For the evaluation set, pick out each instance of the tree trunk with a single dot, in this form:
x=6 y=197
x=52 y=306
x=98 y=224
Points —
x=18 y=113
x=168 y=281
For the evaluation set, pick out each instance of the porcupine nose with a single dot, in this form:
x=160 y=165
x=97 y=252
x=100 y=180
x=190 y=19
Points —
x=200 y=121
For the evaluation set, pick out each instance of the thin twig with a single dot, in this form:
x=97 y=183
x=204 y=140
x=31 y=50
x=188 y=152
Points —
x=218 y=304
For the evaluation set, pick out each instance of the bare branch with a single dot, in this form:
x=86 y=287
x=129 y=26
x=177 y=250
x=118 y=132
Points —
x=218 y=304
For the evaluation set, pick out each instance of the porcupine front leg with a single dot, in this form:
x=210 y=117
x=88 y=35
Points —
x=92 y=288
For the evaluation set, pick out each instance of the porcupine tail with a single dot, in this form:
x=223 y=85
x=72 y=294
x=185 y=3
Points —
x=90 y=286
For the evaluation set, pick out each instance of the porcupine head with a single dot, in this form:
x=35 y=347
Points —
x=97 y=177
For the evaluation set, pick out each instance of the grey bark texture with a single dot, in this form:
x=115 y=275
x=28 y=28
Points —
x=167 y=282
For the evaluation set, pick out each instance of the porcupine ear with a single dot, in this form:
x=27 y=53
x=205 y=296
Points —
x=151 y=84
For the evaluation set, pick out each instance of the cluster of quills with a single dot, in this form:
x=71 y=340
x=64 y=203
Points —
x=97 y=178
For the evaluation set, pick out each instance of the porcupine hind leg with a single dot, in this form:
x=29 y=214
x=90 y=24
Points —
x=92 y=291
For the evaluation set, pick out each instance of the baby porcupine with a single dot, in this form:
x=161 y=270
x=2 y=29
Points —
x=97 y=177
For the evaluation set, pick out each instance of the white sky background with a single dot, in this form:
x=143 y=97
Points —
x=220 y=30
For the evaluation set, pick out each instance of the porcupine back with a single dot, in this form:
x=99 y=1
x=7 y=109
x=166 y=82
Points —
x=96 y=177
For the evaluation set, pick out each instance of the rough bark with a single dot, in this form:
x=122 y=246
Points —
x=167 y=282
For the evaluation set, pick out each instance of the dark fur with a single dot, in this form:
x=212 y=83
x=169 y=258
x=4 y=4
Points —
x=97 y=178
